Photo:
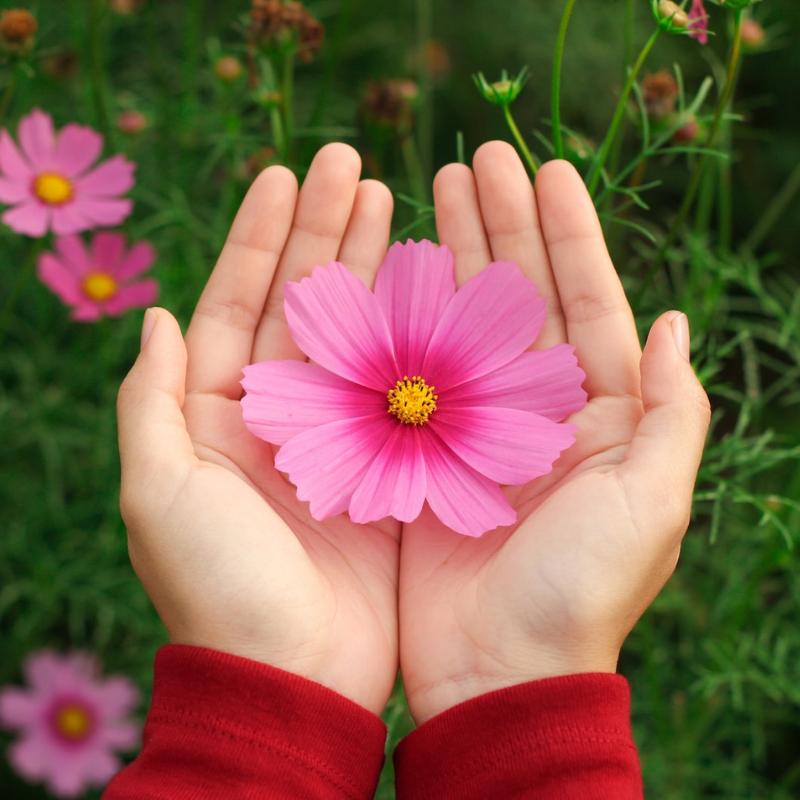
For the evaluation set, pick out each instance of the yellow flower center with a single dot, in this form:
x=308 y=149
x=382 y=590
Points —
x=99 y=286
x=73 y=721
x=52 y=188
x=412 y=401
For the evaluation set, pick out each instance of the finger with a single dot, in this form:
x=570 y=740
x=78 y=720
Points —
x=155 y=449
x=458 y=220
x=661 y=466
x=367 y=236
x=320 y=220
x=220 y=336
x=599 y=320
x=511 y=219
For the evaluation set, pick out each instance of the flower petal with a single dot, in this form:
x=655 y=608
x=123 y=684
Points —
x=12 y=162
x=31 y=756
x=18 y=708
x=463 y=499
x=84 y=213
x=328 y=462
x=504 y=444
x=545 y=382
x=30 y=219
x=137 y=295
x=87 y=311
x=107 y=251
x=413 y=287
x=77 y=148
x=60 y=279
x=337 y=322
x=139 y=259
x=37 y=138
x=74 y=254
x=120 y=735
x=109 y=179
x=493 y=318
x=285 y=398
x=12 y=192
x=394 y=485
x=69 y=774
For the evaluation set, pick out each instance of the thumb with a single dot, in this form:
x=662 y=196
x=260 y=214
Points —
x=155 y=449
x=661 y=466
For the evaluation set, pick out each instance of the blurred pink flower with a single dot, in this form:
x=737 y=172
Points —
x=50 y=185
x=417 y=391
x=698 y=22
x=101 y=281
x=70 y=721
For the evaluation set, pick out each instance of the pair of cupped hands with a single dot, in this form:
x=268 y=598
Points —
x=233 y=561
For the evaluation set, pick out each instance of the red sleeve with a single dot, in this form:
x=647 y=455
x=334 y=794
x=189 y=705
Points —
x=220 y=726
x=563 y=738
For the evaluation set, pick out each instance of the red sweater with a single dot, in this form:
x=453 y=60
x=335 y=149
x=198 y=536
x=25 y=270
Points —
x=223 y=727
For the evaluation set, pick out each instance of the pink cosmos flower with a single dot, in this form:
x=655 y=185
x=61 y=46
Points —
x=698 y=22
x=70 y=722
x=416 y=391
x=101 y=281
x=50 y=185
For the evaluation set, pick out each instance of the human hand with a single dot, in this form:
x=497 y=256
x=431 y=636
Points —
x=597 y=538
x=229 y=556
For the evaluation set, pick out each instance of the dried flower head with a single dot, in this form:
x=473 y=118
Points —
x=390 y=103
x=275 y=25
x=17 y=28
x=659 y=93
x=62 y=66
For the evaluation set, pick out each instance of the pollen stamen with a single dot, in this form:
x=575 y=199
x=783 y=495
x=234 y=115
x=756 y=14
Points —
x=52 y=188
x=412 y=401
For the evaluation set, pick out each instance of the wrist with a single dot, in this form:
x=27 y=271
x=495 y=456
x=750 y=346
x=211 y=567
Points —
x=434 y=697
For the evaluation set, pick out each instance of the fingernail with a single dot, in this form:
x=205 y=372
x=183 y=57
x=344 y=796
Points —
x=680 y=332
x=148 y=324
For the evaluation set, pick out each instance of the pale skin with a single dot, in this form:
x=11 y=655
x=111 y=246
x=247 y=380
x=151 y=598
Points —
x=234 y=562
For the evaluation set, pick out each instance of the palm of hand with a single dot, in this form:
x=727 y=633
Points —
x=249 y=571
x=597 y=537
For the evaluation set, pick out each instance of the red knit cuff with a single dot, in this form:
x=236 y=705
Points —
x=566 y=738
x=223 y=726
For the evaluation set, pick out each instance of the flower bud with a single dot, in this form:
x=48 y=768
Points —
x=689 y=132
x=753 y=35
x=672 y=14
x=125 y=7
x=228 y=68
x=502 y=92
x=17 y=28
x=132 y=122
x=390 y=104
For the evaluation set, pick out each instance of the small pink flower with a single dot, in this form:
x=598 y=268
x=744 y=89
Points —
x=101 y=281
x=50 y=185
x=698 y=22
x=415 y=392
x=70 y=721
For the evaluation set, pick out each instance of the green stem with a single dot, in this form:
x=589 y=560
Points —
x=774 y=210
x=424 y=115
x=23 y=276
x=275 y=116
x=416 y=179
x=97 y=75
x=555 y=93
x=694 y=182
x=287 y=101
x=597 y=167
x=8 y=95
x=518 y=137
